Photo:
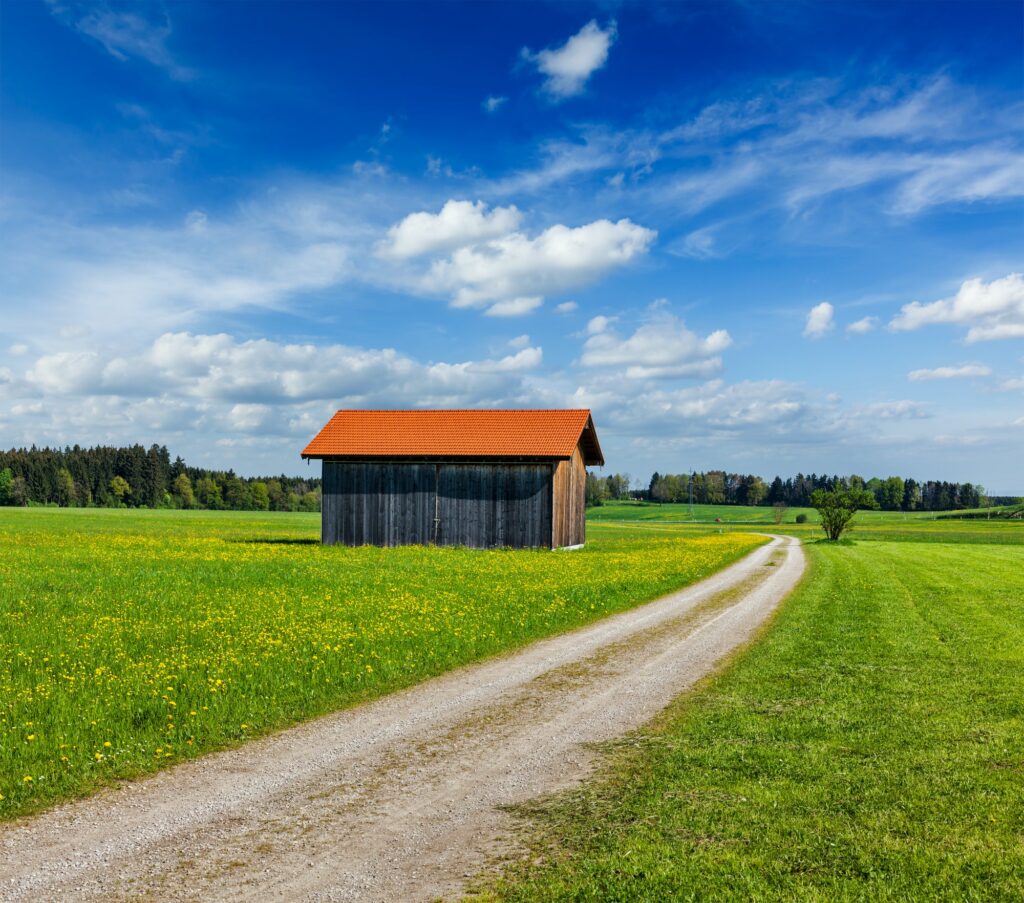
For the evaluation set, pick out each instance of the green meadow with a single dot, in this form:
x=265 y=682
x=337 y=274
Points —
x=130 y=640
x=870 y=746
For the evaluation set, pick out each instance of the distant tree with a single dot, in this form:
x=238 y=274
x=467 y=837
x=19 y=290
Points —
x=655 y=479
x=714 y=487
x=276 y=494
x=208 y=493
x=310 y=501
x=836 y=507
x=779 y=511
x=911 y=495
x=890 y=494
x=120 y=489
x=660 y=489
x=65 y=493
x=6 y=486
x=182 y=488
x=259 y=496
x=19 y=492
x=596 y=490
x=754 y=490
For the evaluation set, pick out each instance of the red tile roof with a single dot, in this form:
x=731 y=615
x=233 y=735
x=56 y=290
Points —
x=457 y=434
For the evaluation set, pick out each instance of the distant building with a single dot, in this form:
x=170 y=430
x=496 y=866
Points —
x=456 y=478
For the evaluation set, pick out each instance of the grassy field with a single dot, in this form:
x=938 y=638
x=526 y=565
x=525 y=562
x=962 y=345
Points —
x=869 y=747
x=130 y=640
x=892 y=526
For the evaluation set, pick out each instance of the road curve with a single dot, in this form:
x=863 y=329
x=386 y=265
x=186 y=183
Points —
x=402 y=798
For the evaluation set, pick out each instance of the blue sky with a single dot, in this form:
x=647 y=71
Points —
x=769 y=238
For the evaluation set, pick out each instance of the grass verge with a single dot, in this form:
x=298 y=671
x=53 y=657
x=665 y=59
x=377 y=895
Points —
x=870 y=747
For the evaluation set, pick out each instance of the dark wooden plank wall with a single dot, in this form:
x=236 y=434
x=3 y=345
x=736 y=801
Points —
x=378 y=504
x=569 y=520
x=477 y=505
x=489 y=505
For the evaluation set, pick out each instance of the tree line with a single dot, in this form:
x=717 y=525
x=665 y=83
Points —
x=139 y=477
x=718 y=487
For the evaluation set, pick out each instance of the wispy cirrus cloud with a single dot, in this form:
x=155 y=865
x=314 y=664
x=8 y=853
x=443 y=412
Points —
x=139 y=33
x=962 y=371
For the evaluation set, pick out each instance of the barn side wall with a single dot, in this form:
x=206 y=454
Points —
x=378 y=504
x=569 y=493
x=489 y=505
x=482 y=505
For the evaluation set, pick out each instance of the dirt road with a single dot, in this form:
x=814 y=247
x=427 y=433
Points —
x=399 y=799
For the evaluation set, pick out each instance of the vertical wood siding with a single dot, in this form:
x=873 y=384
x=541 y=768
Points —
x=477 y=505
x=489 y=505
x=378 y=504
x=569 y=519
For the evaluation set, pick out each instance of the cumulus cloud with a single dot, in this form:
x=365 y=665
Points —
x=492 y=104
x=662 y=347
x=991 y=310
x=517 y=266
x=820 y=320
x=514 y=307
x=458 y=223
x=261 y=372
x=863 y=325
x=964 y=371
x=567 y=68
x=566 y=307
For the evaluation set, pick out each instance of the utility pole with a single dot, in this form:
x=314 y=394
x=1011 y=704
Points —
x=690 y=481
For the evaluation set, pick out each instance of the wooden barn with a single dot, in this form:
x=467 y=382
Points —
x=456 y=478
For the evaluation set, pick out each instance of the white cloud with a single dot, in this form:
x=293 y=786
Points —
x=820 y=320
x=566 y=307
x=459 y=223
x=247 y=417
x=993 y=310
x=125 y=34
x=253 y=377
x=567 y=68
x=517 y=266
x=18 y=349
x=520 y=341
x=891 y=410
x=1012 y=385
x=662 y=347
x=699 y=244
x=863 y=325
x=963 y=371
x=514 y=307
x=492 y=104
x=906 y=148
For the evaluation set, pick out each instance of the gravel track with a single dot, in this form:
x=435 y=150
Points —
x=403 y=798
